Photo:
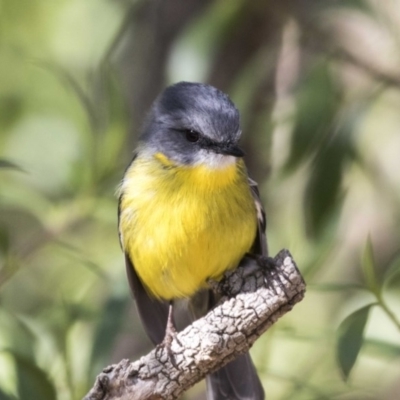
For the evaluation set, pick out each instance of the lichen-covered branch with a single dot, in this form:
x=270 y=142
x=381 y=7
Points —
x=255 y=296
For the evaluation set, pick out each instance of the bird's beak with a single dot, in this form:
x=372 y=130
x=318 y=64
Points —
x=232 y=150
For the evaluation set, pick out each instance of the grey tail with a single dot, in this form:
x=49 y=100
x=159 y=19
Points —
x=238 y=380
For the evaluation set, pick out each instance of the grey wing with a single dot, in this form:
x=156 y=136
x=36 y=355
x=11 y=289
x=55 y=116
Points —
x=260 y=244
x=153 y=313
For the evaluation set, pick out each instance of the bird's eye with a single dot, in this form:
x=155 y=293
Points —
x=192 y=136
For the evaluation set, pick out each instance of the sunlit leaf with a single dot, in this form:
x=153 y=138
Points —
x=32 y=381
x=350 y=339
x=369 y=268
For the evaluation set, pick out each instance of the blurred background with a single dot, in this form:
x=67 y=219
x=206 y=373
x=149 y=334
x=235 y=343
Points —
x=317 y=84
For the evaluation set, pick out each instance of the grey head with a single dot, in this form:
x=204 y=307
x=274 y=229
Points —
x=193 y=123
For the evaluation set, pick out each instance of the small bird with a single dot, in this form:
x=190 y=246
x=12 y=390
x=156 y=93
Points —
x=188 y=212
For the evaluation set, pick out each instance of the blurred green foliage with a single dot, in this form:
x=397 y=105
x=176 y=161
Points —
x=317 y=84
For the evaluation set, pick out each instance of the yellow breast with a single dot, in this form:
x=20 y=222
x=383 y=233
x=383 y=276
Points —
x=182 y=225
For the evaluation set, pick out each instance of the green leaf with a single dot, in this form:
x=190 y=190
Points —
x=64 y=76
x=32 y=381
x=4 y=240
x=4 y=396
x=350 y=339
x=109 y=326
x=317 y=104
x=323 y=192
x=382 y=349
x=359 y=5
x=76 y=254
x=113 y=112
x=335 y=287
x=392 y=272
x=7 y=164
x=11 y=109
x=369 y=268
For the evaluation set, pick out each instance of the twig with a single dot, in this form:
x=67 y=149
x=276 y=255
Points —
x=255 y=297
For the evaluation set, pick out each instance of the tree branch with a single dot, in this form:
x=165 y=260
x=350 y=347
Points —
x=254 y=298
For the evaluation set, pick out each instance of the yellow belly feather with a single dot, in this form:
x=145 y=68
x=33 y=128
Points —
x=183 y=225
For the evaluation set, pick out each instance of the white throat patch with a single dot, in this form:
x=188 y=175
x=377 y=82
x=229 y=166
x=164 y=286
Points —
x=213 y=160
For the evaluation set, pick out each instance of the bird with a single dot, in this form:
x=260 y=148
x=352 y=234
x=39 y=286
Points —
x=187 y=213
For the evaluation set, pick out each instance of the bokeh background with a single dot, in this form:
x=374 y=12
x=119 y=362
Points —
x=317 y=84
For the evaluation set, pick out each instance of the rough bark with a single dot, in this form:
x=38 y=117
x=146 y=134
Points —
x=254 y=298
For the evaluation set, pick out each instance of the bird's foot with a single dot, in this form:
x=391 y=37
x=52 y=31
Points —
x=262 y=261
x=170 y=335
